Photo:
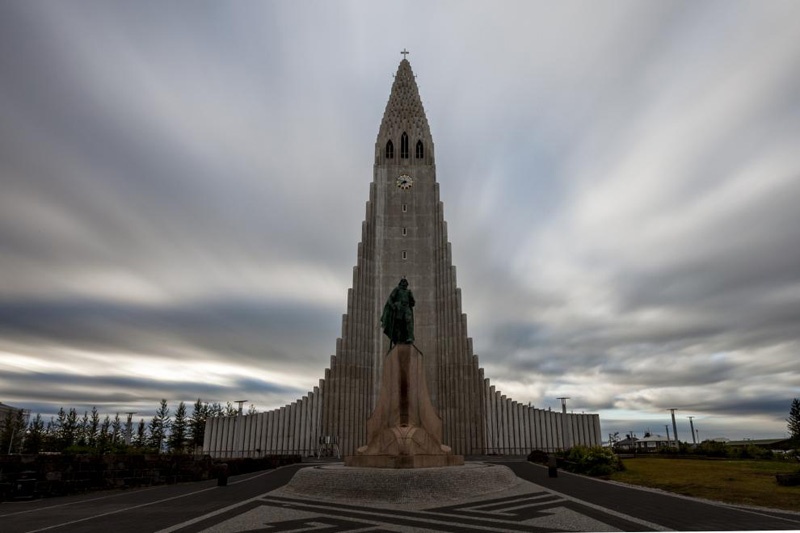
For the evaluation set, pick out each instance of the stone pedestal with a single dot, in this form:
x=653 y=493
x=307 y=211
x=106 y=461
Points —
x=404 y=431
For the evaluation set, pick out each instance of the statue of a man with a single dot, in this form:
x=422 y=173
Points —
x=398 y=315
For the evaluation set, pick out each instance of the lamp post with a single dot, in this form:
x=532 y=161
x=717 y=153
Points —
x=674 y=426
x=691 y=425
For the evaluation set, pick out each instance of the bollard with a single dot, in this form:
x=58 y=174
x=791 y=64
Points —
x=222 y=475
x=552 y=466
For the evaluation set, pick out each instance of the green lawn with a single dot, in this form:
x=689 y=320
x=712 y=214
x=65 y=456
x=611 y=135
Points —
x=731 y=481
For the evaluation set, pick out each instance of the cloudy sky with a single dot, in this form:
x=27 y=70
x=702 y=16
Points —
x=182 y=186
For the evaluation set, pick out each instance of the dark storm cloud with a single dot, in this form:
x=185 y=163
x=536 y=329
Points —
x=120 y=390
x=243 y=331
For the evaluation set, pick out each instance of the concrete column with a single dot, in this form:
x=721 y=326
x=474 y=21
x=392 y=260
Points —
x=223 y=436
x=317 y=416
x=212 y=447
x=547 y=417
x=269 y=433
x=258 y=444
x=282 y=430
x=290 y=429
x=526 y=430
x=302 y=444
x=208 y=436
x=514 y=426
x=248 y=421
x=489 y=417
x=559 y=430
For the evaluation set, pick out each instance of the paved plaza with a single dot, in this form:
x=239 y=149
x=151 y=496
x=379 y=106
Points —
x=261 y=502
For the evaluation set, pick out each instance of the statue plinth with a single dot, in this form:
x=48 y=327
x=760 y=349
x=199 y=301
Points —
x=404 y=430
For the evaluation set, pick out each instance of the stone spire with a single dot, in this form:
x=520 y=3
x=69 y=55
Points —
x=404 y=113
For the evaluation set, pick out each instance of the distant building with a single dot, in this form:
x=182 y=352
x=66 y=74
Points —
x=627 y=444
x=5 y=410
x=652 y=443
x=767 y=444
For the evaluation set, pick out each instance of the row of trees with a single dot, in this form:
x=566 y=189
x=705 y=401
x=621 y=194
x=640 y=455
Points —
x=167 y=431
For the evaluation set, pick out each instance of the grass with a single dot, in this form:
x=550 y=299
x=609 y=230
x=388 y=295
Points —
x=732 y=481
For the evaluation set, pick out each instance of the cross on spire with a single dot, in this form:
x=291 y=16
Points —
x=405 y=53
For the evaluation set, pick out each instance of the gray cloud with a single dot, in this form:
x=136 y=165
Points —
x=185 y=185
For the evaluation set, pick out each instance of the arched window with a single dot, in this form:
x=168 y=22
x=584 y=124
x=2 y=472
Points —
x=404 y=146
x=420 y=150
x=389 y=149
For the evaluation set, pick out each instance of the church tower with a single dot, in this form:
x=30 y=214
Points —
x=404 y=234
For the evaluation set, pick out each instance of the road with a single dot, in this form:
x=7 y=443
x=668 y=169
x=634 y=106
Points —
x=139 y=510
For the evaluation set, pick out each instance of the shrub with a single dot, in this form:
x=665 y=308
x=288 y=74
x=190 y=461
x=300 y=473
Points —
x=711 y=448
x=596 y=461
x=751 y=452
x=538 y=456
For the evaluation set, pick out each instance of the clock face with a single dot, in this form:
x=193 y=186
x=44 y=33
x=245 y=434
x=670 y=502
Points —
x=405 y=182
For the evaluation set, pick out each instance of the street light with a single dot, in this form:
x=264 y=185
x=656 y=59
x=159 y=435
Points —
x=674 y=426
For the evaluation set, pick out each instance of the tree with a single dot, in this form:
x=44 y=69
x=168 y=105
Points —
x=50 y=440
x=35 y=438
x=13 y=430
x=6 y=430
x=140 y=439
x=215 y=409
x=66 y=428
x=94 y=428
x=116 y=431
x=177 y=437
x=82 y=431
x=197 y=423
x=159 y=426
x=793 y=422
x=103 y=436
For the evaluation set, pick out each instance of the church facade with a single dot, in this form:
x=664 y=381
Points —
x=404 y=235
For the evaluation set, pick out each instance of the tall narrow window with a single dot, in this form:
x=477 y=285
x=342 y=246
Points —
x=389 y=149
x=405 y=255
x=404 y=146
x=420 y=150
x=405 y=232
x=405 y=208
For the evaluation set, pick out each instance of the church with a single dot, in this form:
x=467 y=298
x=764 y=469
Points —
x=404 y=235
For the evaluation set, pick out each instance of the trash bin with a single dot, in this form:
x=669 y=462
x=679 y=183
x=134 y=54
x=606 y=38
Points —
x=552 y=466
x=25 y=486
x=222 y=475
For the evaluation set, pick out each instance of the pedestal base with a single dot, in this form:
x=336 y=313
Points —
x=398 y=485
x=403 y=461
x=404 y=430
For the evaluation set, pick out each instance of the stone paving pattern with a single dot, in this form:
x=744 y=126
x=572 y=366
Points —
x=255 y=502
x=533 y=502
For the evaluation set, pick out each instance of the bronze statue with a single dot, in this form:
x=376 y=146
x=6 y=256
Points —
x=398 y=315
